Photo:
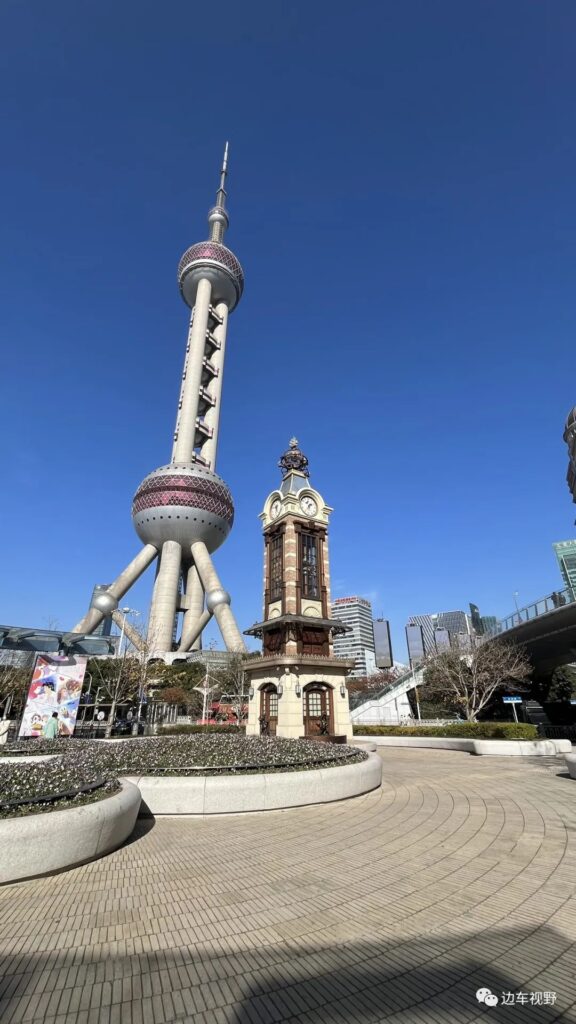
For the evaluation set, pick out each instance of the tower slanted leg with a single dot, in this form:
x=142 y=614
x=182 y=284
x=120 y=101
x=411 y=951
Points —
x=217 y=599
x=121 y=585
x=164 y=599
x=129 y=631
x=191 y=632
x=195 y=606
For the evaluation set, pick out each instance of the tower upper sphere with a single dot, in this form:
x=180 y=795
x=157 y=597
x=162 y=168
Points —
x=214 y=261
x=211 y=259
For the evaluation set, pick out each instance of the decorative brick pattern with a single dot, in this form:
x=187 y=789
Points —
x=217 y=253
x=394 y=907
x=188 y=491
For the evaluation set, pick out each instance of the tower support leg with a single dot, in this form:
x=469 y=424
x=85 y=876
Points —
x=195 y=601
x=121 y=585
x=217 y=599
x=193 y=631
x=129 y=631
x=164 y=599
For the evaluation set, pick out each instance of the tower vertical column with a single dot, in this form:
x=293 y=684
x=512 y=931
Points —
x=183 y=448
x=212 y=417
x=164 y=598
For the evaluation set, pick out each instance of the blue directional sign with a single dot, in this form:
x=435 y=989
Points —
x=512 y=700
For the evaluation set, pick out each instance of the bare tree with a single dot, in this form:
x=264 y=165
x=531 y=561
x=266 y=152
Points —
x=369 y=686
x=470 y=681
x=230 y=686
x=14 y=685
x=118 y=681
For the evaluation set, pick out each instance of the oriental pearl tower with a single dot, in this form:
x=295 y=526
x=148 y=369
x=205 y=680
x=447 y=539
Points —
x=183 y=512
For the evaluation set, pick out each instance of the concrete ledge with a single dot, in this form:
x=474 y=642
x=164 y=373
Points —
x=39 y=844
x=28 y=758
x=231 y=794
x=491 y=748
x=571 y=762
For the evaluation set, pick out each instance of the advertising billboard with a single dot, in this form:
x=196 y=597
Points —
x=56 y=687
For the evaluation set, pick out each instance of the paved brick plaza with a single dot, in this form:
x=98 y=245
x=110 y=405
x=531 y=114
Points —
x=395 y=906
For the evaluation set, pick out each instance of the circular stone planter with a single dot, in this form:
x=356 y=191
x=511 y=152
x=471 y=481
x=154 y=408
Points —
x=28 y=759
x=39 y=844
x=571 y=763
x=231 y=794
x=493 y=748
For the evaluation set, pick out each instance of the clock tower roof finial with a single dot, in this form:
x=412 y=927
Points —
x=293 y=460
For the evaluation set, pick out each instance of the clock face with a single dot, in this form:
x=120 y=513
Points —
x=275 y=509
x=308 y=505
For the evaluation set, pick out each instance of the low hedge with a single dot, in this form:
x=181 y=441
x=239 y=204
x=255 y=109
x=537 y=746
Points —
x=184 y=730
x=460 y=730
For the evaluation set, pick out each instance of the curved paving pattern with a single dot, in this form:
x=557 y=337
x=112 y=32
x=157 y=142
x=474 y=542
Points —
x=396 y=906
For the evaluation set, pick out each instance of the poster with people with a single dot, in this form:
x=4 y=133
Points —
x=54 y=693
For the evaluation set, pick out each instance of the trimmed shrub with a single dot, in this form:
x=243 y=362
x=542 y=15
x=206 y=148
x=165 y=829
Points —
x=183 y=730
x=460 y=730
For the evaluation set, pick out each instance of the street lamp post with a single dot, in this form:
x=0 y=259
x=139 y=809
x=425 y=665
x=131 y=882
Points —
x=516 y=603
x=125 y=612
x=205 y=690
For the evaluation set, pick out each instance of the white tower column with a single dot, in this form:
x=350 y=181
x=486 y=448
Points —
x=164 y=598
x=212 y=417
x=183 y=449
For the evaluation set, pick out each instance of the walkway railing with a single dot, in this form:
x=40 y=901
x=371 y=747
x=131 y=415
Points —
x=557 y=599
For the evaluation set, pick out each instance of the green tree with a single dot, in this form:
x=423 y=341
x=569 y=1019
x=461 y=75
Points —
x=562 y=683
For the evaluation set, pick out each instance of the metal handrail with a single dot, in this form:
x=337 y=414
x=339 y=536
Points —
x=542 y=606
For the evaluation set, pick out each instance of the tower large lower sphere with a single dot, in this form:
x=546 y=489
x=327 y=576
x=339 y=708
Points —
x=184 y=511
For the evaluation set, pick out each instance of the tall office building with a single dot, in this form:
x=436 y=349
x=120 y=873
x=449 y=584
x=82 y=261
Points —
x=424 y=637
x=454 y=622
x=358 y=643
x=382 y=643
x=489 y=625
x=429 y=634
x=566 y=554
x=415 y=643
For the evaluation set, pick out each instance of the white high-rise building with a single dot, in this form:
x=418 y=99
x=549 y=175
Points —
x=358 y=641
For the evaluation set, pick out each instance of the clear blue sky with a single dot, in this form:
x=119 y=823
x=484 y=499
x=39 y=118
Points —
x=402 y=200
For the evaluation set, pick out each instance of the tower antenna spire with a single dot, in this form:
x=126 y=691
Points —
x=218 y=216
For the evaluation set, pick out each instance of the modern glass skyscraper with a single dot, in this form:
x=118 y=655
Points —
x=566 y=554
x=489 y=625
x=415 y=643
x=358 y=643
x=382 y=643
x=428 y=634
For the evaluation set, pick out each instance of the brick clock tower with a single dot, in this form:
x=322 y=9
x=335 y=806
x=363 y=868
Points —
x=298 y=688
